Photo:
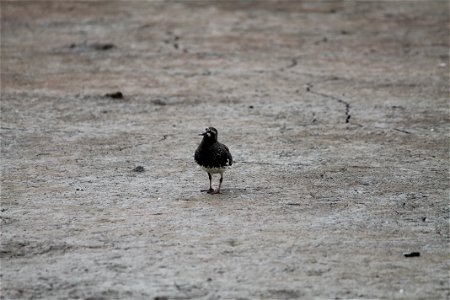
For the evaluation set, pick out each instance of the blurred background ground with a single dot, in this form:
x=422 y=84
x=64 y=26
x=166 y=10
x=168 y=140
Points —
x=336 y=113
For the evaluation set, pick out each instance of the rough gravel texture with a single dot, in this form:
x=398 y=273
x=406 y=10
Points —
x=336 y=113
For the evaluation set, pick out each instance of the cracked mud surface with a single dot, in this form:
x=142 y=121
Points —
x=336 y=114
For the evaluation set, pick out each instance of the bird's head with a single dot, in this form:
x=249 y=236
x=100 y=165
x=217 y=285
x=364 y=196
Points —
x=210 y=134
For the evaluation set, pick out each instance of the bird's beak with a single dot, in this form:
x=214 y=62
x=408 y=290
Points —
x=204 y=133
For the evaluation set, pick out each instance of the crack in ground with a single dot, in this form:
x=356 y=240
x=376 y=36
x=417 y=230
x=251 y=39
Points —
x=347 y=105
x=293 y=63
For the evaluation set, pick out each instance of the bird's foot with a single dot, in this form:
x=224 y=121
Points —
x=215 y=192
x=210 y=191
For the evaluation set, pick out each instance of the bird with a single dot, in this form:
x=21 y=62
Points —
x=213 y=157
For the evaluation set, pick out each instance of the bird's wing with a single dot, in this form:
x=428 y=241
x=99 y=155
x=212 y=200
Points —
x=229 y=157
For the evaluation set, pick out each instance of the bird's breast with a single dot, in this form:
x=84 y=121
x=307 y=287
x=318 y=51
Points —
x=213 y=170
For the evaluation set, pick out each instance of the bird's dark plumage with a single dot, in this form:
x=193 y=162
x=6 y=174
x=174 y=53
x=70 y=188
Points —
x=212 y=156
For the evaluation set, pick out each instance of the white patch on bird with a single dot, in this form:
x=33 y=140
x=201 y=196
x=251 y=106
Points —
x=214 y=170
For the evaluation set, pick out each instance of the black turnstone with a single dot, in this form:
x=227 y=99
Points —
x=213 y=157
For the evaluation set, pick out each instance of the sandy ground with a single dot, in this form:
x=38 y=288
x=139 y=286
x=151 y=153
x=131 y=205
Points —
x=336 y=113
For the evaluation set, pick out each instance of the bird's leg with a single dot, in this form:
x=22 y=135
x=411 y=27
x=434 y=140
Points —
x=210 y=184
x=211 y=190
x=220 y=184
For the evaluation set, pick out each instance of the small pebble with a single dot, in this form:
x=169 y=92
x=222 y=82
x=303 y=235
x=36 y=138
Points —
x=412 y=254
x=159 y=102
x=116 y=95
x=139 y=169
x=102 y=47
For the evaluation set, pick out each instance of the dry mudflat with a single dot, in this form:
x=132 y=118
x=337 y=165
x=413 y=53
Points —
x=336 y=112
